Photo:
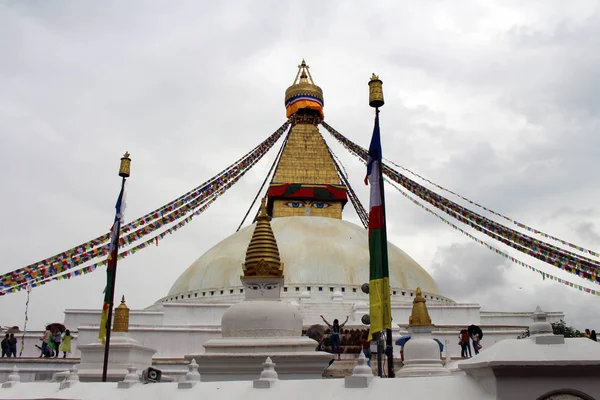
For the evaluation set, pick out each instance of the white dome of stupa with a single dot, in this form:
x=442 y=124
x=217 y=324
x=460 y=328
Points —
x=315 y=251
x=261 y=319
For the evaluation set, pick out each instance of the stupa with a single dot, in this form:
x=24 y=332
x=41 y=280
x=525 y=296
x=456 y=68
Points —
x=262 y=325
x=125 y=352
x=326 y=262
x=421 y=352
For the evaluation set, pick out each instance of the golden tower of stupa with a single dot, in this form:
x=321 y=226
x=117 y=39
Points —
x=306 y=181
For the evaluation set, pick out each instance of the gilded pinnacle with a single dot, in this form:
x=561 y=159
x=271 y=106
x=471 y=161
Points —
x=419 y=315
x=121 y=320
x=262 y=256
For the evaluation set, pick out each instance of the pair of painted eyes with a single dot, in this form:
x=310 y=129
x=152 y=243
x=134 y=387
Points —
x=299 y=204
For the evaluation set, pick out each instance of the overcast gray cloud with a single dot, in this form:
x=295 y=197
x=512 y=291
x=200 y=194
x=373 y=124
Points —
x=497 y=102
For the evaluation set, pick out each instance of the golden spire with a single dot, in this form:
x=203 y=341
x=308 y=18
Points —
x=121 y=323
x=419 y=315
x=303 y=93
x=262 y=257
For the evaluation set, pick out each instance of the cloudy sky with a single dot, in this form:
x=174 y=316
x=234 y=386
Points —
x=501 y=103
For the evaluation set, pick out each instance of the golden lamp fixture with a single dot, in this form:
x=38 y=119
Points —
x=376 y=92
x=125 y=168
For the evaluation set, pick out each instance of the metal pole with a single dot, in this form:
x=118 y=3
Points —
x=113 y=271
x=389 y=345
x=379 y=355
x=390 y=353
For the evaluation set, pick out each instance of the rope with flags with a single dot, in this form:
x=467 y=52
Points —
x=517 y=223
x=194 y=205
x=88 y=250
x=26 y=320
x=146 y=244
x=543 y=274
x=563 y=259
x=358 y=207
x=523 y=243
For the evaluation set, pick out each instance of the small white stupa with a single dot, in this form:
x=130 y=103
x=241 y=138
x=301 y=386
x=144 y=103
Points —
x=421 y=352
x=125 y=352
x=262 y=325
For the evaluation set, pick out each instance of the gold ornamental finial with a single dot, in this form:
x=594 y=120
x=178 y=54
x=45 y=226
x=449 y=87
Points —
x=376 y=92
x=419 y=315
x=263 y=210
x=303 y=94
x=262 y=256
x=121 y=323
x=125 y=168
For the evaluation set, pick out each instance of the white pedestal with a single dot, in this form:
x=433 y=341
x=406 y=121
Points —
x=229 y=359
x=124 y=353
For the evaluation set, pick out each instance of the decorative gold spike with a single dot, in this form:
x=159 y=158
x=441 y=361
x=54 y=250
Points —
x=262 y=256
x=419 y=315
x=303 y=84
x=121 y=323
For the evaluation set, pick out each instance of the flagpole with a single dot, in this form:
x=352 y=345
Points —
x=389 y=349
x=376 y=101
x=124 y=172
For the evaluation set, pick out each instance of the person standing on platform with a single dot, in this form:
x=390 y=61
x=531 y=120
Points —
x=45 y=338
x=57 y=339
x=5 y=352
x=65 y=346
x=335 y=334
x=465 y=344
x=12 y=346
x=475 y=333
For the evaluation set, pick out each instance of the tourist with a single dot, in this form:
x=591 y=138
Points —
x=587 y=333
x=475 y=333
x=12 y=346
x=5 y=352
x=56 y=339
x=65 y=346
x=465 y=344
x=593 y=336
x=335 y=335
x=45 y=338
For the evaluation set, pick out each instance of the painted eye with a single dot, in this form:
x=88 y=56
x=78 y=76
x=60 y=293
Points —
x=294 y=204
x=320 y=205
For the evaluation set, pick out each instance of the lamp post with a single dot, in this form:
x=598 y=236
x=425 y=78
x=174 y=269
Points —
x=124 y=172
x=376 y=101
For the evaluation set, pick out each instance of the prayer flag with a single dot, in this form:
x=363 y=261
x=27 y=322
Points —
x=379 y=282
x=111 y=264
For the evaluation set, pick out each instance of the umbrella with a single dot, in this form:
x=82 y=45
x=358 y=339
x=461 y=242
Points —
x=475 y=330
x=14 y=329
x=402 y=341
x=315 y=332
x=56 y=326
